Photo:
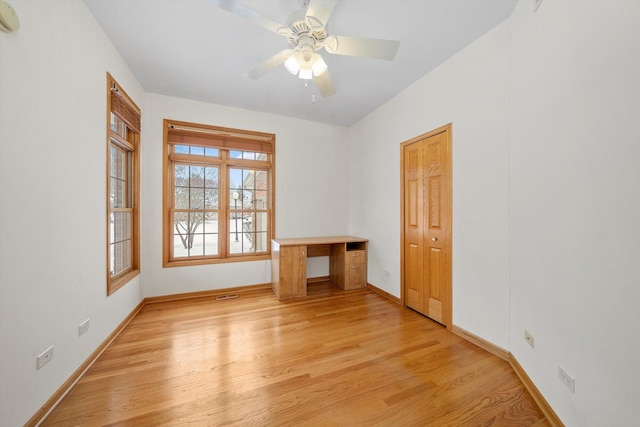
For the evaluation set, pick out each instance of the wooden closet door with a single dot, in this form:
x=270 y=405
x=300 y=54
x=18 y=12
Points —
x=437 y=230
x=414 y=227
x=426 y=227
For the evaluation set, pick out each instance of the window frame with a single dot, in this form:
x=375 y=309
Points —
x=224 y=140
x=121 y=105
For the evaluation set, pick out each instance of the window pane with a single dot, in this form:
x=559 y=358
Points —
x=119 y=226
x=261 y=180
x=179 y=250
x=236 y=237
x=121 y=165
x=181 y=149
x=211 y=177
x=118 y=126
x=261 y=200
x=118 y=162
x=196 y=220
x=118 y=192
x=116 y=233
x=235 y=198
x=196 y=198
x=261 y=242
x=182 y=233
x=210 y=223
x=211 y=188
x=251 y=186
x=211 y=234
x=195 y=187
x=210 y=199
x=235 y=179
x=196 y=176
x=261 y=221
x=181 y=175
x=126 y=254
x=212 y=152
x=247 y=155
x=198 y=151
x=181 y=200
x=120 y=241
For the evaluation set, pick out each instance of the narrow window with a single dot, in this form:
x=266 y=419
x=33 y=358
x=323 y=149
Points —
x=219 y=194
x=123 y=138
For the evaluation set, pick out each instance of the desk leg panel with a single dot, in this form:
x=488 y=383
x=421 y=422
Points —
x=292 y=272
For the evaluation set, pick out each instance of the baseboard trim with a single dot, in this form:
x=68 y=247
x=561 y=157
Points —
x=542 y=403
x=209 y=293
x=481 y=342
x=383 y=293
x=505 y=355
x=66 y=387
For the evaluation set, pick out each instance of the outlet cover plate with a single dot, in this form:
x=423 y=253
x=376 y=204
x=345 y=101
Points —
x=45 y=357
x=567 y=379
x=529 y=339
x=84 y=327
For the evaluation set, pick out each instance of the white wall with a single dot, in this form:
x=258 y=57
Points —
x=52 y=199
x=470 y=91
x=311 y=190
x=546 y=234
x=575 y=204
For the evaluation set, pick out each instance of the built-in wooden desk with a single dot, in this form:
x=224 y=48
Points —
x=347 y=263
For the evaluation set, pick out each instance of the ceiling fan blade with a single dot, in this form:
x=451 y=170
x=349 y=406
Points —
x=319 y=12
x=363 y=47
x=252 y=15
x=325 y=84
x=271 y=63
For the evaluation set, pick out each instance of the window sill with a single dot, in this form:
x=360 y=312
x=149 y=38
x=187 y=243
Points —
x=115 y=283
x=204 y=261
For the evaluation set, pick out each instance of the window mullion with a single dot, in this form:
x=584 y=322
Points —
x=223 y=205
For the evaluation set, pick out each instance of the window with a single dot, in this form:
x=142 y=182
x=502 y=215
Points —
x=123 y=138
x=218 y=187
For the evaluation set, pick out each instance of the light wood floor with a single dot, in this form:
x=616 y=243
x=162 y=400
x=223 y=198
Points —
x=333 y=358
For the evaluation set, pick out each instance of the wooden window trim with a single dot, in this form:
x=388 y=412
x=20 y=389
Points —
x=184 y=133
x=119 y=103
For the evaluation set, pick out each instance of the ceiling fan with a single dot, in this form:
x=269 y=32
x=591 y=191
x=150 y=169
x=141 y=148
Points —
x=306 y=31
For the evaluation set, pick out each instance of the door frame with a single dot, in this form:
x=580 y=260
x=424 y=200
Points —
x=448 y=306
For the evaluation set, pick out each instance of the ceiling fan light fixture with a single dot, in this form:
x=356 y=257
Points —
x=305 y=73
x=292 y=65
x=319 y=66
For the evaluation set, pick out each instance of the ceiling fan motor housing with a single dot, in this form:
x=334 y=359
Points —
x=302 y=34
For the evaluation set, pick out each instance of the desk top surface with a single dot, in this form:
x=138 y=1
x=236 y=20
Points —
x=318 y=240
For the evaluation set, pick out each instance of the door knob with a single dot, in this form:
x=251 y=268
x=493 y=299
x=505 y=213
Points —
x=434 y=239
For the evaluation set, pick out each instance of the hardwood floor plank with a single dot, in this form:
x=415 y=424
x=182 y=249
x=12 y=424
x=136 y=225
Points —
x=331 y=358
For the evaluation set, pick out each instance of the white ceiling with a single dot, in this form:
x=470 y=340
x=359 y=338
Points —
x=193 y=49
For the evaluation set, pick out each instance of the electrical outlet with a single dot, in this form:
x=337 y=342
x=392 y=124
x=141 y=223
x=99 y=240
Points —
x=84 y=327
x=529 y=338
x=45 y=357
x=567 y=379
